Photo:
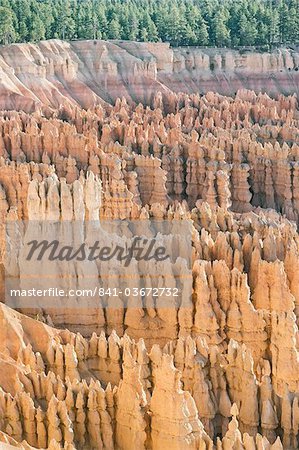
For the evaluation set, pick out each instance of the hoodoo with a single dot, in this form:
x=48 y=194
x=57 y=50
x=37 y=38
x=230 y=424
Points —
x=149 y=212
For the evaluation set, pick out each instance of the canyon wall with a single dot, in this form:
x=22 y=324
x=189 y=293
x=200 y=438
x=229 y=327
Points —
x=86 y=73
x=218 y=373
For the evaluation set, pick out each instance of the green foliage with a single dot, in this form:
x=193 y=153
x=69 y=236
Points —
x=7 y=30
x=114 y=29
x=221 y=32
x=37 y=31
x=180 y=22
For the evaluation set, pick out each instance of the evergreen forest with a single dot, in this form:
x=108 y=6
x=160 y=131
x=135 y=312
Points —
x=216 y=23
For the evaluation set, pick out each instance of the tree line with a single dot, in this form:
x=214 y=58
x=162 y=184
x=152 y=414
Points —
x=217 y=23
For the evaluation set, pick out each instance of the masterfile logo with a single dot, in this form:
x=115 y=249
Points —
x=102 y=264
x=139 y=249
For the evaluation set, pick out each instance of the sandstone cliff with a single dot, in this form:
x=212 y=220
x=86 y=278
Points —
x=87 y=73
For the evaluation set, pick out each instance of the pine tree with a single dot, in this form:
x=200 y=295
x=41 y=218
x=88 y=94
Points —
x=46 y=14
x=189 y=37
x=114 y=29
x=235 y=12
x=65 y=26
x=221 y=32
x=201 y=31
x=37 y=31
x=206 y=10
x=292 y=32
x=144 y=35
x=147 y=25
x=175 y=27
x=101 y=22
x=129 y=24
x=85 y=21
x=161 y=21
x=5 y=4
x=180 y=22
x=273 y=23
x=247 y=30
x=7 y=31
x=23 y=16
x=284 y=22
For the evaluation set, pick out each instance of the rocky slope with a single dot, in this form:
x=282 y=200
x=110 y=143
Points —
x=86 y=73
x=146 y=397
x=218 y=373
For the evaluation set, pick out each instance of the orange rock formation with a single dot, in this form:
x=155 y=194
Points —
x=222 y=373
